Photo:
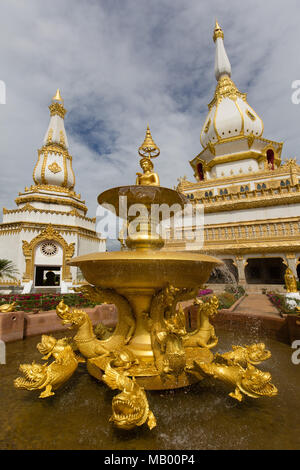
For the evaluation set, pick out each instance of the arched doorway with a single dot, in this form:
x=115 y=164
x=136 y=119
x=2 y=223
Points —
x=270 y=159
x=200 y=171
x=265 y=271
x=48 y=261
x=50 y=241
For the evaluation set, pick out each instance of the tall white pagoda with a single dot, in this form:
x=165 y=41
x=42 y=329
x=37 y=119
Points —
x=49 y=225
x=251 y=199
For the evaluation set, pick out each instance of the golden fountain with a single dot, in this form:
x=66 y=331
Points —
x=150 y=348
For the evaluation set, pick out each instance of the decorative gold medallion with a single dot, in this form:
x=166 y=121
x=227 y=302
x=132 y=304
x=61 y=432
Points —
x=54 y=167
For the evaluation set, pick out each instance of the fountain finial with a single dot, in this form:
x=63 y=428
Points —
x=148 y=148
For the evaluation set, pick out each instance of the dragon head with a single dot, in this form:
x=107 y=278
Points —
x=130 y=408
x=74 y=317
x=34 y=376
x=209 y=307
x=258 y=353
x=124 y=358
x=256 y=383
x=50 y=345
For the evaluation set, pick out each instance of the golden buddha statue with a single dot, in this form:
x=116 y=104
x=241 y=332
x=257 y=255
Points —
x=290 y=281
x=147 y=151
x=148 y=177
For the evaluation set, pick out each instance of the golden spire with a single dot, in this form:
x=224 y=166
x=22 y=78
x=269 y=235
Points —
x=57 y=105
x=148 y=148
x=57 y=97
x=218 y=32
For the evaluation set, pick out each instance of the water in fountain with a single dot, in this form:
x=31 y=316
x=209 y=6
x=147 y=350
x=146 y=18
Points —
x=201 y=416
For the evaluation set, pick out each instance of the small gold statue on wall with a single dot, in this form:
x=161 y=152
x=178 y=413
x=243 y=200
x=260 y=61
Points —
x=290 y=281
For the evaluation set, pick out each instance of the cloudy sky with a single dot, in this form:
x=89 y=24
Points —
x=121 y=64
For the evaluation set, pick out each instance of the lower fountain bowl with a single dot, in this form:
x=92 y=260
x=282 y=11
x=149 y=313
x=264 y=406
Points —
x=121 y=270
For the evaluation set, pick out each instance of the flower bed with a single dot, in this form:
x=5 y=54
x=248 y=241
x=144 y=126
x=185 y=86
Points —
x=226 y=298
x=282 y=304
x=202 y=292
x=39 y=302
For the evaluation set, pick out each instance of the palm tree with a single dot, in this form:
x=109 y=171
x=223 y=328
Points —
x=7 y=269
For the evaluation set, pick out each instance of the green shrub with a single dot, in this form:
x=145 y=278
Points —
x=238 y=290
x=226 y=299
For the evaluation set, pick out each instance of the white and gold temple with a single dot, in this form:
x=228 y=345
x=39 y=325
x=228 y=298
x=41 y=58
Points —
x=49 y=225
x=251 y=198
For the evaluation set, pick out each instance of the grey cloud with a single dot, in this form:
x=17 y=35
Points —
x=126 y=63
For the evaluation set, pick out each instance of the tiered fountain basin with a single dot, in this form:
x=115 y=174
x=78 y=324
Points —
x=139 y=273
x=137 y=276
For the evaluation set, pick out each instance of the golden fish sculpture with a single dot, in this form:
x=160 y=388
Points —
x=7 y=308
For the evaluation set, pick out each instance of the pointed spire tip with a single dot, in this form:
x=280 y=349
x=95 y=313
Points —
x=218 y=32
x=57 y=96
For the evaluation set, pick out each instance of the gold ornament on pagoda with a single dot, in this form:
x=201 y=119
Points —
x=54 y=167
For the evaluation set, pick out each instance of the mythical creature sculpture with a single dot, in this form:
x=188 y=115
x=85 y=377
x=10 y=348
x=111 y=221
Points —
x=248 y=381
x=290 y=281
x=204 y=335
x=7 y=308
x=49 y=376
x=168 y=329
x=130 y=407
x=85 y=338
x=102 y=331
x=244 y=355
x=124 y=358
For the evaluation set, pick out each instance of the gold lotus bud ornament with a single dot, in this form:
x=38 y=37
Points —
x=218 y=32
x=57 y=96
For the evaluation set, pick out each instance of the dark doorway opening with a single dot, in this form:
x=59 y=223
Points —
x=298 y=270
x=47 y=276
x=265 y=271
x=270 y=159
x=200 y=171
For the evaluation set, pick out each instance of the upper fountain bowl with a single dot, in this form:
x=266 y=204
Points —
x=139 y=194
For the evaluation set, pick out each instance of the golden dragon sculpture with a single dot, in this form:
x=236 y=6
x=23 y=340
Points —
x=130 y=407
x=167 y=329
x=85 y=338
x=250 y=381
x=166 y=323
x=244 y=355
x=7 y=308
x=204 y=335
x=49 y=376
x=236 y=368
